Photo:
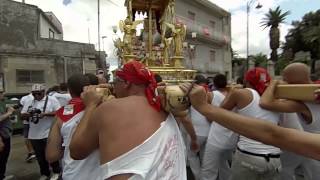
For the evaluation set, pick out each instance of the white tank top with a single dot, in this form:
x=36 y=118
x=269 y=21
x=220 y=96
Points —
x=290 y=120
x=200 y=123
x=220 y=136
x=314 y=126
x=254 y=110
x=85 y=169
x=161 y=156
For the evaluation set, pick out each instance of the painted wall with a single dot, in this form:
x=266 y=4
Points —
x=44 y=29
x=219 y=42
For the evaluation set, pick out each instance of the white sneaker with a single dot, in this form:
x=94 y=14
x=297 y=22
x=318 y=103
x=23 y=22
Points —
x=8 y=177
x=43 y=177
x=55 y=176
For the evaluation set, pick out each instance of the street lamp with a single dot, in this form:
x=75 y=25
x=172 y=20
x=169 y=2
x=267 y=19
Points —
x=249 y=4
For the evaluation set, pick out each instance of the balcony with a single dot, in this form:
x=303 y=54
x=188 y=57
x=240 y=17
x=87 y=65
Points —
x=204 y=32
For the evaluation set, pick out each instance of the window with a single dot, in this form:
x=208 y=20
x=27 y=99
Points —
x=30 y=76
x=191 y=15
x=212 y=24
x=51 y=34
x=212 y=56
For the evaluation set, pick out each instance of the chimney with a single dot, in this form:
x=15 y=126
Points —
x=23 y=1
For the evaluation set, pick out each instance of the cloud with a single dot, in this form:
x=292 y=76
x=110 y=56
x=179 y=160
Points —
x=80 y=16
x=258 y=38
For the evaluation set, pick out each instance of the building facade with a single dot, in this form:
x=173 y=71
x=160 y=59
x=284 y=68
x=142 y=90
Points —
x=208 y=47
x=32 y=49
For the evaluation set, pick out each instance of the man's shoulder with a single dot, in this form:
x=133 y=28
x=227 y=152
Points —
x=52 y=99
x=240 y=92
x=120 y=103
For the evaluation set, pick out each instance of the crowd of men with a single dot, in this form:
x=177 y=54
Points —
x=229 y=133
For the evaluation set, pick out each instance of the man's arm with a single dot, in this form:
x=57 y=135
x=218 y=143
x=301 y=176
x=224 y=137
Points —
x=54 y=149
x=187 y=124
x=306 y=144
x=303 y=143
x=6 y=115
x=86 y=136
x=230 y=101
x=269 y=102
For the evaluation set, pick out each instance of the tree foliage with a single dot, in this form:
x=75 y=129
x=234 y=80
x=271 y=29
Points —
x=273 y=19
x=305 y=36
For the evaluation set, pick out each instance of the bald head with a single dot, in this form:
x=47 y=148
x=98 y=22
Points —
x=297 y=73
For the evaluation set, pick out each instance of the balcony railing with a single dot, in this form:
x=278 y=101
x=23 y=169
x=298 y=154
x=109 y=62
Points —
x=204 y=31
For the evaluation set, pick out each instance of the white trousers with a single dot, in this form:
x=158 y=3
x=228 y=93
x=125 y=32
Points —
x=216 y=163
x=291 y=161
x=195 y=159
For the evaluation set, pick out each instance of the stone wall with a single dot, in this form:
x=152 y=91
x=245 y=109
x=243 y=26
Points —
x=22 y=48
x=18 y=25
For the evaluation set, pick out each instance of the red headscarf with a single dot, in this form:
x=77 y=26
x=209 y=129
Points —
x=258 y=78
x=137 y=73
x=67 y=112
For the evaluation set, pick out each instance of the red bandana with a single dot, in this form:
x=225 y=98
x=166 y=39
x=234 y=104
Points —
x=67 y=112
x=206 y=87
x=136 y=73
x=258 y=78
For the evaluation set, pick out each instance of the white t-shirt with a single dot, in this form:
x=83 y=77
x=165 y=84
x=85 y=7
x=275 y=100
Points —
x=85 y=169
x=42 y=128
x=220 y=136
x=254 y=110
x=200 y=123
x=26 y=101
x=62 y=98
x=161 y=156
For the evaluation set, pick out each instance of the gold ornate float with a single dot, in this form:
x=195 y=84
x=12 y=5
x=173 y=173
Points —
x=160 y=44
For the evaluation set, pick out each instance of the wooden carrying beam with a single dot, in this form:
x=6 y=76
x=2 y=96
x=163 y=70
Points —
x=300 y=92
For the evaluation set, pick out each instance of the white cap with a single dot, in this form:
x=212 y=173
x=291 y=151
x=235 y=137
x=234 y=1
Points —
x=38 y=87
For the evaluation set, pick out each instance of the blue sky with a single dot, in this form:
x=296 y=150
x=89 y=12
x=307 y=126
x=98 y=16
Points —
x=300 y=7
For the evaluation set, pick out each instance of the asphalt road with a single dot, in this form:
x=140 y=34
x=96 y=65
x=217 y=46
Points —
x=17 y=165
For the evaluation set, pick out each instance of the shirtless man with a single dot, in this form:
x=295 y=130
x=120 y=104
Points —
x=136 y=139
x=304 y=143
x=308 y=114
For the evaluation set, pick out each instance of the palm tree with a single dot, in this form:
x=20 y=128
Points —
x=273 y=19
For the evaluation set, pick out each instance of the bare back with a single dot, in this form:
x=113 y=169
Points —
x=124 y=124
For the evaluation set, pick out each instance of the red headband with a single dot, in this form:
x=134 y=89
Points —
x=258 y=78
x=136 y=73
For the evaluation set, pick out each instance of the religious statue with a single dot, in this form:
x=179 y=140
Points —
x=178 y=33
x=129 y=29
x=167 y=17
x=167 y=44
x=119 y=46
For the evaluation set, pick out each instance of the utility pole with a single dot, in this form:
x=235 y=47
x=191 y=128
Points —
x=99 y=31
